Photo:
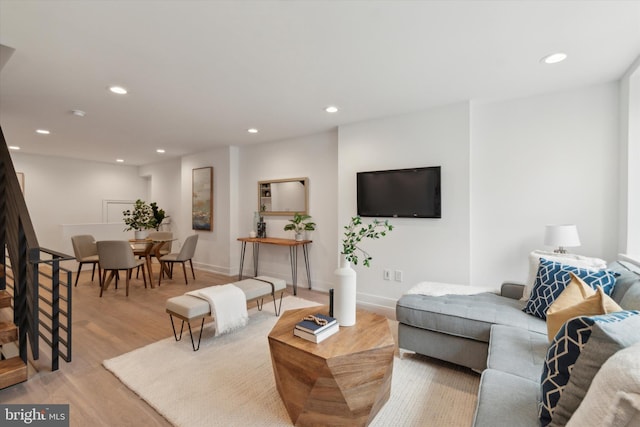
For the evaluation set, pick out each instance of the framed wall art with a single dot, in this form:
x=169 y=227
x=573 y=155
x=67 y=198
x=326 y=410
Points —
x=202 y=199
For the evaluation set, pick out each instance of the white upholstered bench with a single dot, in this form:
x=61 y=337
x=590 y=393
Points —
x=188 y=308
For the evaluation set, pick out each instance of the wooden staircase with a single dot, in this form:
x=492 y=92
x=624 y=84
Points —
x=12 y=369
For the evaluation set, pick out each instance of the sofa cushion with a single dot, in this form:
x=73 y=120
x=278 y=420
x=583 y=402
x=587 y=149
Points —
x=553 y=277
x=631 y=298
x=506 y=400
x=626 y=280
x=590 y=341
x=468 y=316
x=517 y=351
x=577 y=299
x=616 y=384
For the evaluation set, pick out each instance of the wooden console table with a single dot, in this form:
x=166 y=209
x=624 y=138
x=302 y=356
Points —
x=293 y=255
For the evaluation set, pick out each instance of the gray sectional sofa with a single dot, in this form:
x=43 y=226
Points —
x=490 y=333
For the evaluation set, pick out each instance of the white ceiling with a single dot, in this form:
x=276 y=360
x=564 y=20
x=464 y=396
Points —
x=200 y=73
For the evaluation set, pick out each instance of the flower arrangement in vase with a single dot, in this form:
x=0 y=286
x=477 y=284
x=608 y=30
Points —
x=142 y=218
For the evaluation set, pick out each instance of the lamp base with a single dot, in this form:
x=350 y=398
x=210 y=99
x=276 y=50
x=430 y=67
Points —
x=560 y=250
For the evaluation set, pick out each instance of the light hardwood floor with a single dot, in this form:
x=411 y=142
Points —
x=104 y=328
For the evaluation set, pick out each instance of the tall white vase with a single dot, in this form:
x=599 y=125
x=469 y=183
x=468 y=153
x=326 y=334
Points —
x=344 y=304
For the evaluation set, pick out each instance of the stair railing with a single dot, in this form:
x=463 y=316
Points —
x=20 y=260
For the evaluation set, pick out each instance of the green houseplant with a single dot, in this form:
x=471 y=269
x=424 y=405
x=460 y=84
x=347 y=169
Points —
x=143 y=216
x=158 y=214
x=300 y=223
x=355 y=231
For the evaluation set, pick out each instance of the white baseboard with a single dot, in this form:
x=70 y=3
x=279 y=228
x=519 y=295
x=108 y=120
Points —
x=214 y=269
x=377 y=304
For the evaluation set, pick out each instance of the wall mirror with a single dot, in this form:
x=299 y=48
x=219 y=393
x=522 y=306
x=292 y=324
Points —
x=283 y=196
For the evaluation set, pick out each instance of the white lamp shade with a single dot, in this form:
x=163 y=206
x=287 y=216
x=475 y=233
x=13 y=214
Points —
x=564 y=236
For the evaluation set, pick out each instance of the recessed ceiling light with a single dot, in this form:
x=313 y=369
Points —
x=252 y=130
x=120 y=160
x=43 y=131
x=160 y=150
x=331 y=109
x=554 y=58
x=118 y=89
x=14 y=147
x=78 y=113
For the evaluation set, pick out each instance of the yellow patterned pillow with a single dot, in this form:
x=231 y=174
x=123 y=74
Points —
x=577 y=299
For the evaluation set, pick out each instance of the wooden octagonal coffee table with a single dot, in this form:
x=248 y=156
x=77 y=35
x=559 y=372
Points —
x=343 y=380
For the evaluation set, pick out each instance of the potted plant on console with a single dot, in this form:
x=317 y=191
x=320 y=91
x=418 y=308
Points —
x=345 y=295
x=300 y=223
x=142 y=218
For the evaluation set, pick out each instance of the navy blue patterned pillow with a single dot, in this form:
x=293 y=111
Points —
x=553 y=277
x=567 y=346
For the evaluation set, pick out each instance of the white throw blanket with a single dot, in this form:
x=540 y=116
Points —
x=436 y=289
x=228 y=306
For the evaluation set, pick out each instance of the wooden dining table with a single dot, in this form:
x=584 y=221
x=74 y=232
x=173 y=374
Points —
x=148 y=248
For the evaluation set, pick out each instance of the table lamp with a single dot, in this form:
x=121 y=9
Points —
x=561 y=236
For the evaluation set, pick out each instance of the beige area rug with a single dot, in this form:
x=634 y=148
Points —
x=229 y=381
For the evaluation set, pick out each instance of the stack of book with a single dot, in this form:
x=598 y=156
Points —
x=312 y=331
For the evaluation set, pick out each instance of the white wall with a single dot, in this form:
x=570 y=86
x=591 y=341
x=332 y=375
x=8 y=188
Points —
x=314 y=157
x=212 y=251
x=66 y=191
x=165 y=187
x=424 y=249
x=629 y=233
x=550 y=159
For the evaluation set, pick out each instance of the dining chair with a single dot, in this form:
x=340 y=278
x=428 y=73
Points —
x=117 y=255
x=186 y=254
x=86 y=252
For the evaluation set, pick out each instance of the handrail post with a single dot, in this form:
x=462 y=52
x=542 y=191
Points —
x=34 y=299
x=55 y=313
x=20 y=316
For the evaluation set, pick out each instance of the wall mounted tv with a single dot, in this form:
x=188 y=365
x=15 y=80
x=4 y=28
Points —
x=400 y=193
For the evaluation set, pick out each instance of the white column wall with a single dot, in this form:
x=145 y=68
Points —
x=212 y=252
x=423 y=249
x=315 y=157
x=629 y=232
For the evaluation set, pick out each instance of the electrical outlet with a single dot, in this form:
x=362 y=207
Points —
x=398 y=275
x=386 y=274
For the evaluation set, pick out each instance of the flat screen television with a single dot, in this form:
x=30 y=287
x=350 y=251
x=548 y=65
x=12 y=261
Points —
x=400 y=193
